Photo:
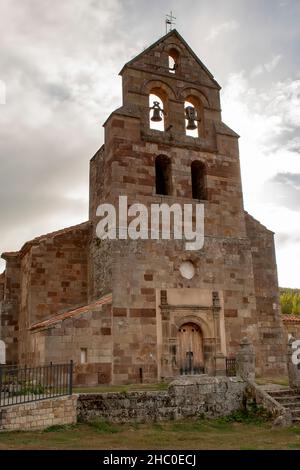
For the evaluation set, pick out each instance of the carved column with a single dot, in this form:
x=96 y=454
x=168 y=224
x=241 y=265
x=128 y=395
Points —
x=165 y=356
x=220 y=359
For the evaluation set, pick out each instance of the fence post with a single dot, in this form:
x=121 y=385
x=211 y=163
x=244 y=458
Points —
x=71 y=378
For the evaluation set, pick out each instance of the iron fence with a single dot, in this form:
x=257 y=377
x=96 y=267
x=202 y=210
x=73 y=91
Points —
x=230 y=366
x=27 y=384
x=189 y=367
x=192 y=370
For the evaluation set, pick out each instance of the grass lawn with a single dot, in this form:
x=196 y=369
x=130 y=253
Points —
x=283 y=381
x=193 y=434
x=122 y=388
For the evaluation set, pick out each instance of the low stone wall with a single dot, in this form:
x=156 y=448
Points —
x=186 y=397
x=39 y=414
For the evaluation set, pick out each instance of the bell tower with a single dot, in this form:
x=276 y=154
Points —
x=173 y=311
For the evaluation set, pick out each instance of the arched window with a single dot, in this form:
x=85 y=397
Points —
x=157 y=112
x=198 y=180
x=173 y=60
x=163 y=175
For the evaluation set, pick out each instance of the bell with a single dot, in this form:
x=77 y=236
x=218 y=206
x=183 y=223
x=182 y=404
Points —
x=156 y=116
x=190 y=114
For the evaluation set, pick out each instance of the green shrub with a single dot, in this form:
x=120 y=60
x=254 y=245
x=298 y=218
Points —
x=103 y=427
x=253 y=414
x=37 y=389
x=59 y=427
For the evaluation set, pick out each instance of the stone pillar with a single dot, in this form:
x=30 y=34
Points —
x=2 y=352
x=293 y=366
x=216 y=316
x=220 y=364
x=209 y=347
x=246 y=360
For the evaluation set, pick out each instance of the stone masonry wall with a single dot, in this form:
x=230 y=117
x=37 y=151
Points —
x=53 y=279
x=291 y=324
x=202 y=396
x=2 y=284
x=39 y=415
x=11 y=306
x=271 y=353
x=64 y=340
x=139 y=268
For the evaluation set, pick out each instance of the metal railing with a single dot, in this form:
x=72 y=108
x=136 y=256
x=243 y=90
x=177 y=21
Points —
x=21 y=384
x=192 y=370
x=230 y=366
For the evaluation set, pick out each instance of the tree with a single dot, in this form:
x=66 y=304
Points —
x=290 y=301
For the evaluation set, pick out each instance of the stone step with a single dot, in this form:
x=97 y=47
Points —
x=296 y=413
x=291 y=405
x=288 y=398
x=280 y=393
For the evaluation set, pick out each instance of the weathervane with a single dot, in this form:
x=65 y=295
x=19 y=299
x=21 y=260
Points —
x=169 y=22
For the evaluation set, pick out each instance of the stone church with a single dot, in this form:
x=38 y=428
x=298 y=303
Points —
x=147 y=310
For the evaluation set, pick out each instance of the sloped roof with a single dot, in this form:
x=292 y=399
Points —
x=106 y=299
x=250 y=217
x=222 y=128
x=175 y=33
x=46 y=236
x=288 y=318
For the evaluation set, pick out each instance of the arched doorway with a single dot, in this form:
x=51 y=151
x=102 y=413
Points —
x=190 y=349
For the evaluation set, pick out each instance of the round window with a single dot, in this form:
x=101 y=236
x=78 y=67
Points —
x=187 y=270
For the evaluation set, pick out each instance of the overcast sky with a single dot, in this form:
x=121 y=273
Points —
x=60 y=59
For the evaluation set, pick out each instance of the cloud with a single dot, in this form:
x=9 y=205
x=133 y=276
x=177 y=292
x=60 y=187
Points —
x=284 y=238
x=61 y=77
x=2 y=92
x=284 y=190
x=60 y=69
x=221 y=28
x=267 y=67
x=268 y=120
x=291 y=179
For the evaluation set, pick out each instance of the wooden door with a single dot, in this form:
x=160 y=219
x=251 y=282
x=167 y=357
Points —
x=190 y=349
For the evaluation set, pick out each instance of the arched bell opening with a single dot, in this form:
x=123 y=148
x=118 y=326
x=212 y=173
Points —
x=190 y=356
x=157 y=109
x=194 y=117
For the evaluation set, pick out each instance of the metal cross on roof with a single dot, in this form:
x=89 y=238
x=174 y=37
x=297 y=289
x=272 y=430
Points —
x=169 y=22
